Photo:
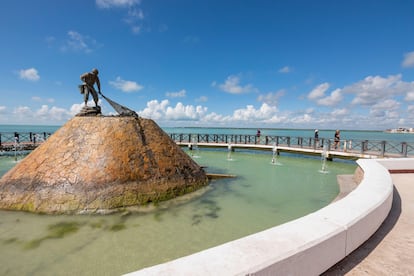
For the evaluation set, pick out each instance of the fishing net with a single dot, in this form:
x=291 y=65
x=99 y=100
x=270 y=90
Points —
x=122 y=110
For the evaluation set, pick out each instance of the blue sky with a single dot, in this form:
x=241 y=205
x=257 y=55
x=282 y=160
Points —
x=221 y=63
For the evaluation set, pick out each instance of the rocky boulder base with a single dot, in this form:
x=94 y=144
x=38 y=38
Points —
x=97 y=164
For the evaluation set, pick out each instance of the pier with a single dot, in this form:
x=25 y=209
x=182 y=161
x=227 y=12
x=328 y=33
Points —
x=17 y=141
x=346 y=149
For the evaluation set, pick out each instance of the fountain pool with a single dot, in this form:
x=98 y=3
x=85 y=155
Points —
x=262 y=196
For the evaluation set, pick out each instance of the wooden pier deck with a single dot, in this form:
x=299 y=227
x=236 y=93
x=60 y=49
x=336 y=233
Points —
x=289 y=149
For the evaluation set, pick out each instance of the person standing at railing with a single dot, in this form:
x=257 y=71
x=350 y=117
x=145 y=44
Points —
x=16 y=137
x=316 y=138
x=337 y=139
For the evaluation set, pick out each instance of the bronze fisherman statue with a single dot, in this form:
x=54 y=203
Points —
x=89 y=80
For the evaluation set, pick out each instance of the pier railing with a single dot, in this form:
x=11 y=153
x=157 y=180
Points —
x=30 y=140
x=22 y=140
x=359 y=147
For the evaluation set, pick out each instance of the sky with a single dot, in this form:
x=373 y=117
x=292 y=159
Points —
x=212 y=63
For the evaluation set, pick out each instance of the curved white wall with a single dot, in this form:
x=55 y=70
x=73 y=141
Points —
x=306 y=246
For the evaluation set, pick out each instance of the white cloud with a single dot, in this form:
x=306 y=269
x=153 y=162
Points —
x=331 y=100
x=126 y=86
x=56 y=113
x=43 y=114
x=76 y=108
x=368 y=91
x=318 y=91
x=302 y=119
x=136 y=29
x=77 y=42
x=373 y=89
x=408 y=60
x=133 y=18
x=285 y=70
x=136 y=14
x=179 y=94
x=271 y=98
x=202 y=99
x=232 y=85
x=410 y=109
x=30 y=74
x=185 y=112
x=409 y=96
x=39 y=99
x=386 y=109
x=2 y=109
x=23 y=111
x=251 y=114
x=106 y=4
x=162 y=110
x=155 y=110
x=340 y=112
x=214 y=118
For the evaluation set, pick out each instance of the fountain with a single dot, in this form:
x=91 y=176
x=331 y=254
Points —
x=101 y=162
x=275 y=155
x=324 y=156
x=96 y=244
x=193 y=146
x=229 y=152
x=17 y=150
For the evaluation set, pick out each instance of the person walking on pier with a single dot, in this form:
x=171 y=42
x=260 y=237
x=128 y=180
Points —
x=89 y=79
x=337 y=138
x=316 y=138
x=258 y=136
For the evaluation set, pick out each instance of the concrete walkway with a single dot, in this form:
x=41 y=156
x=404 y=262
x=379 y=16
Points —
x=390 y=251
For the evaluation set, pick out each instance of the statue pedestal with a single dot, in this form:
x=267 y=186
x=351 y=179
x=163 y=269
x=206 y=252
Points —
x=100 y=164
x=90 y=111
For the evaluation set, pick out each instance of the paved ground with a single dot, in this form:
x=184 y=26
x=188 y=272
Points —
x=390 y=251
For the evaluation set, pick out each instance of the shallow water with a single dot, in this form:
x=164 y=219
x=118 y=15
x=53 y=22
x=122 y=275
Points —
x=261 y=196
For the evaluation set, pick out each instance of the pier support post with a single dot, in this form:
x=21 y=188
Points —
x=383 y=143
x=404 y=150
x=328 y=143
x=364 y=146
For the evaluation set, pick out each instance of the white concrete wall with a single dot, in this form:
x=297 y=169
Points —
x=306 y=246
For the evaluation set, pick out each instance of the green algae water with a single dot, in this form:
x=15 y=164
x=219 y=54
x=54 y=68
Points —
x=262 y=195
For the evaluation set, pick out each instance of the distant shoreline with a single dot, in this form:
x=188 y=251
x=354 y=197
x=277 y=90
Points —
x=400 y=130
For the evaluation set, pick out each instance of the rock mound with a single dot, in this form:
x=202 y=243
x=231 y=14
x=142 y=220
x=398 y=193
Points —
x=96 y=164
